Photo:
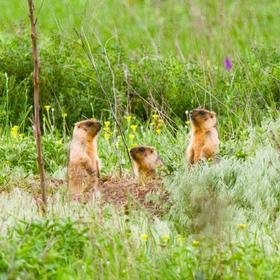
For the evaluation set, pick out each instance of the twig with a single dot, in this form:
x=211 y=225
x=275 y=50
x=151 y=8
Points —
x=37 y=129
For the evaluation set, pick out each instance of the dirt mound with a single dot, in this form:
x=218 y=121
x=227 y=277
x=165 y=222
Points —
x=126 y=190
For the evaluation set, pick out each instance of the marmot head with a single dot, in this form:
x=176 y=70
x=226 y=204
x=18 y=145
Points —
x=145 y=156
x=202 y=118
x=87 y=128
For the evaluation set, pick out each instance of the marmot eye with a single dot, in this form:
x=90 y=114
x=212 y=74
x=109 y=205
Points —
x=201 y=113
x=142 y=149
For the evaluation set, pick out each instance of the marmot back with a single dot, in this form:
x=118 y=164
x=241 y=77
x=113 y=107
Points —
x=84 y=164
x=204 y=141
x=145 y=161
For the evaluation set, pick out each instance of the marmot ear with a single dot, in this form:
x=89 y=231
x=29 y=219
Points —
x=213 y=113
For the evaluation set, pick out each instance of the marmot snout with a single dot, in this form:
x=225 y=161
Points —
x=204 y=141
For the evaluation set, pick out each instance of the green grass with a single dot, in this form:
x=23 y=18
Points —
x=153 y=60
x=182 y=28
x=220 y=221
x=135 y=46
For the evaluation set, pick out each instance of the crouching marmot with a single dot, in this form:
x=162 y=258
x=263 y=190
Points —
x=204 y=143
x=145 y=162
x=84 y=164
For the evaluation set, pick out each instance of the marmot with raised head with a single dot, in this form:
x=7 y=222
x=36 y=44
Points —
x=145 y=161
x=204 y=143
x=84 y=164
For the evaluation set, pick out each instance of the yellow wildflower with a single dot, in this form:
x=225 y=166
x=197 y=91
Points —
x=14 y=131
x=144 y=236
x=187 y=122
x=134 y=126
x=196 y=243
x=106 y=128
x=180 y=239
x=155 y=116
x=59 y=142
x=128 y=118
x=158 y=131
x=64 y=115
x=107 y=123
x=165 y=237
x=160 y=122
x=107 y=135
x=47 y=107
x=242 y=226
x=131 y=136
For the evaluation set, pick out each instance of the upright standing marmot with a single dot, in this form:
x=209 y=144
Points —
x=84 y=164
x=204 y=141
x=145 y=161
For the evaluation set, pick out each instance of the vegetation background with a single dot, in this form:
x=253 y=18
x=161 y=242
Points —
x=145 y=62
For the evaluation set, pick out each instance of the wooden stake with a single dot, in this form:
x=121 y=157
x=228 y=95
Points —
x=37 y=128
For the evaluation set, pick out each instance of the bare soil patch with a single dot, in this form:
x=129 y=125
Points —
x=124 y=192
x=127 y=192
x=120 y=190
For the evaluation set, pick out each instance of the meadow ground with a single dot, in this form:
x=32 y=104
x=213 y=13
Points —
x=218 y=220
x=144 y=62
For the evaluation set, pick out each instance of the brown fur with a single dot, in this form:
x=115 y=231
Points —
x=204 y=143
x=84 y=164
x=145 y=161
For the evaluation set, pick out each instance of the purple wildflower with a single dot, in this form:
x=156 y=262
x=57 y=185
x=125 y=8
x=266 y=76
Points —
x=228 y=63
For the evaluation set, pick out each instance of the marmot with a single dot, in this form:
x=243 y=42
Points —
x=204 y=141
x=145 y=161
x=84 y=164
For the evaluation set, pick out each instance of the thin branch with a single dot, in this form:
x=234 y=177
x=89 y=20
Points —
x=37 y=130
